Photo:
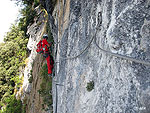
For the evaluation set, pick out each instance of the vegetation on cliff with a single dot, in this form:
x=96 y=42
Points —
x=46 y=89
x=13 y=53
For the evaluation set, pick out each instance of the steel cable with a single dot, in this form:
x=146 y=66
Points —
x=101 y=49
x=122 y=56
x=73 y=57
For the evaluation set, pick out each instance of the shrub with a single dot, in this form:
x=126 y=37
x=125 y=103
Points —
x=28 y=15
x=43 y=71
x=30 y=79
x=90 y=86
x=12 y=55
x=46 y=87
x=24 y=108
x=36 y=3
x=13 y=106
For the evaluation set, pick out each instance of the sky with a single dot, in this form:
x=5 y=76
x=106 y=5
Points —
x=8 y=14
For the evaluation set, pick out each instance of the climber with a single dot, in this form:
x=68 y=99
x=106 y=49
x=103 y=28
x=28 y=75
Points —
x=45 y=51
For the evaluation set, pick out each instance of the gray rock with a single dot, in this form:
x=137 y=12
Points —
x=121 y=86
x=34 y=31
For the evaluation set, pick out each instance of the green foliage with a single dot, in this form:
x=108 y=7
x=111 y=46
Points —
x=13 y=105
x=46 y=88
x=31 y=77
x=17 y=81
x=28 y=14
x=90 y=86
x=24 y=106
x=27 y=2
x=43 y=71
x=12 y=54
x=48 y=31
x=50 y=38
x=54 y=2
x=36 y=3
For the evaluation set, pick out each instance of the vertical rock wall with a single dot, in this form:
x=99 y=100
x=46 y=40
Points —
x=35 y=32
x=29 y=91
x=121 y=86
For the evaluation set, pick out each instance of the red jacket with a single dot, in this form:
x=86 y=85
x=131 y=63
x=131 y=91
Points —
x=45 y=44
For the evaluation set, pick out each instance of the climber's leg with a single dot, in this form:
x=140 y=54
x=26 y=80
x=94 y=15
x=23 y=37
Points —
x=49 y=65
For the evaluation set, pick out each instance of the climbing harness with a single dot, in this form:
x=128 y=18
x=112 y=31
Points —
x=42 y=50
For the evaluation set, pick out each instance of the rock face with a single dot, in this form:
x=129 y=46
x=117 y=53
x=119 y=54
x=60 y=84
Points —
x=34 y=99
x=35 y=32
x=29 y=91
x=120 y=85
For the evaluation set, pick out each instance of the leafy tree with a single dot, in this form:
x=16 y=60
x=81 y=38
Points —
x=13 y=106
x=28 y=14
x=12 y=54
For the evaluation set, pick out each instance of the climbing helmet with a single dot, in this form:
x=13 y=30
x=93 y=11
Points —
x=45 y=36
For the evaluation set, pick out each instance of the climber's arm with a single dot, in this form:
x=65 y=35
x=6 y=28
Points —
x=49 y=44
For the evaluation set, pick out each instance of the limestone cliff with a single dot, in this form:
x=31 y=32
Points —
x=121 y=84
x=30 y=96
